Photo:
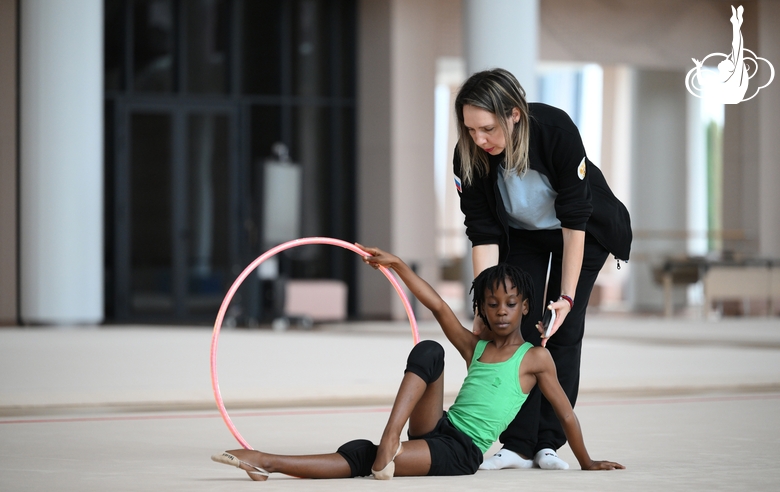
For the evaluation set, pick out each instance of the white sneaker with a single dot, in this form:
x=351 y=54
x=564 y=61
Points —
x=547 y=459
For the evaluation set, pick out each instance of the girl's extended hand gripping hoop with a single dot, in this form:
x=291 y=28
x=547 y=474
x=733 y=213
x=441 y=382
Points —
x=249 y=269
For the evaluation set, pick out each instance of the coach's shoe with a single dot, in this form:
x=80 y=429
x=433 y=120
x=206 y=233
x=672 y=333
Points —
x=257 y=473
x=388 y=471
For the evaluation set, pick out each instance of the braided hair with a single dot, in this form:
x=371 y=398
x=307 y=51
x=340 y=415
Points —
x=492 y=277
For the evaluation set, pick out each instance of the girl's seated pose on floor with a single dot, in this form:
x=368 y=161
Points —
x=501 y=373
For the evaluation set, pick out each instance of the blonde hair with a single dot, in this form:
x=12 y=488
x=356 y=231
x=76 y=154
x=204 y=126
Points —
x=498 y=92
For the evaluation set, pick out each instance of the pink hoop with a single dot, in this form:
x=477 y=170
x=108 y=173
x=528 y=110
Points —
x=240 y=279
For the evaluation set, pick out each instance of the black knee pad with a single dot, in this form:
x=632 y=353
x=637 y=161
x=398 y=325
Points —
x=360 y=454
x=426 y=360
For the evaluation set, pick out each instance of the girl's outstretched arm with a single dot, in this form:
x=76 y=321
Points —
x=460 y=337
x=543 y=368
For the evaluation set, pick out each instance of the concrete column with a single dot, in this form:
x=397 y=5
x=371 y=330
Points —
x=413 y=55
x=658 y=194
x=8 y=163
x=769 y=132
x=396 y=199
x=751 y=169
x=616 y=165
x=61 y=161
x=374 y=157
x=740 y=162
x=697 y=216
x=503 y=34
x=740 y=178
x=616 y=129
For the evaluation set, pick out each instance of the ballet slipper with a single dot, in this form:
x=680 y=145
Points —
x=388 y=471
x=258 y=474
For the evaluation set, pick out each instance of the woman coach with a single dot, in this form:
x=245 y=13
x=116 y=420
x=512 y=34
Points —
x=532 y=198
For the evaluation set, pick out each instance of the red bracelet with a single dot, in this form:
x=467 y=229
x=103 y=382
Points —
x=569 y=300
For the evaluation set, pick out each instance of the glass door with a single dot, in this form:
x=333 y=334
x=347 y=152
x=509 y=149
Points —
x=208 y=235
x=176 y=211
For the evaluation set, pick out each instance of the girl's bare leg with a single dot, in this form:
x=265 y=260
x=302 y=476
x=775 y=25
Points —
x=331 y=465
x=418 y=402
x=415 y=461
x=422 y=405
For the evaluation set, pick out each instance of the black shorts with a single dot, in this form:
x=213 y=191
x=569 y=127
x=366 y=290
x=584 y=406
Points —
x=452 y=451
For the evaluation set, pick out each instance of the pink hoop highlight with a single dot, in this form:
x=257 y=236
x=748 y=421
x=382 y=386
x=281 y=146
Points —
x=240 y=279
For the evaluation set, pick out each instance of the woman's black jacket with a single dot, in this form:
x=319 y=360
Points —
x=583 y=202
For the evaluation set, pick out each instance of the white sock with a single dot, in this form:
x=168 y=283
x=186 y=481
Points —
x=505 y=459
x=548 y=459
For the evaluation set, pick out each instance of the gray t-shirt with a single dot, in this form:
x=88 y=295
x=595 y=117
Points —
x=529 y=200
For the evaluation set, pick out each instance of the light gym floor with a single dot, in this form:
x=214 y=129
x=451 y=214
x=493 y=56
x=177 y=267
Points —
x=685 y=404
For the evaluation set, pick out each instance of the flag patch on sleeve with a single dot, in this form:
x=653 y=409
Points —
x=457 y=185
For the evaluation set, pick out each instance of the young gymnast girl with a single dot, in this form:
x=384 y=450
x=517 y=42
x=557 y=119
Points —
x=501 y=373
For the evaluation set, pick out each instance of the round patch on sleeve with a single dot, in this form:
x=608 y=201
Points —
x=581 y=169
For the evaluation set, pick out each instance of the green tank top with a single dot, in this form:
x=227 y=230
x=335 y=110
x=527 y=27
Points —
x=490 y=397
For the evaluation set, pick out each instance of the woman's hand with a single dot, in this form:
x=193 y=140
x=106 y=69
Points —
x=562 y=308
x=481 y=330
x=479 y=325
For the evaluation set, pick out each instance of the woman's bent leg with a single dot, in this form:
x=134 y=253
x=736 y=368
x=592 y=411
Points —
x=566 y=346
x=530 y=251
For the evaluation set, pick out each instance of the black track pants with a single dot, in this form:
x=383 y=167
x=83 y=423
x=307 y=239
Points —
x=536 y=426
